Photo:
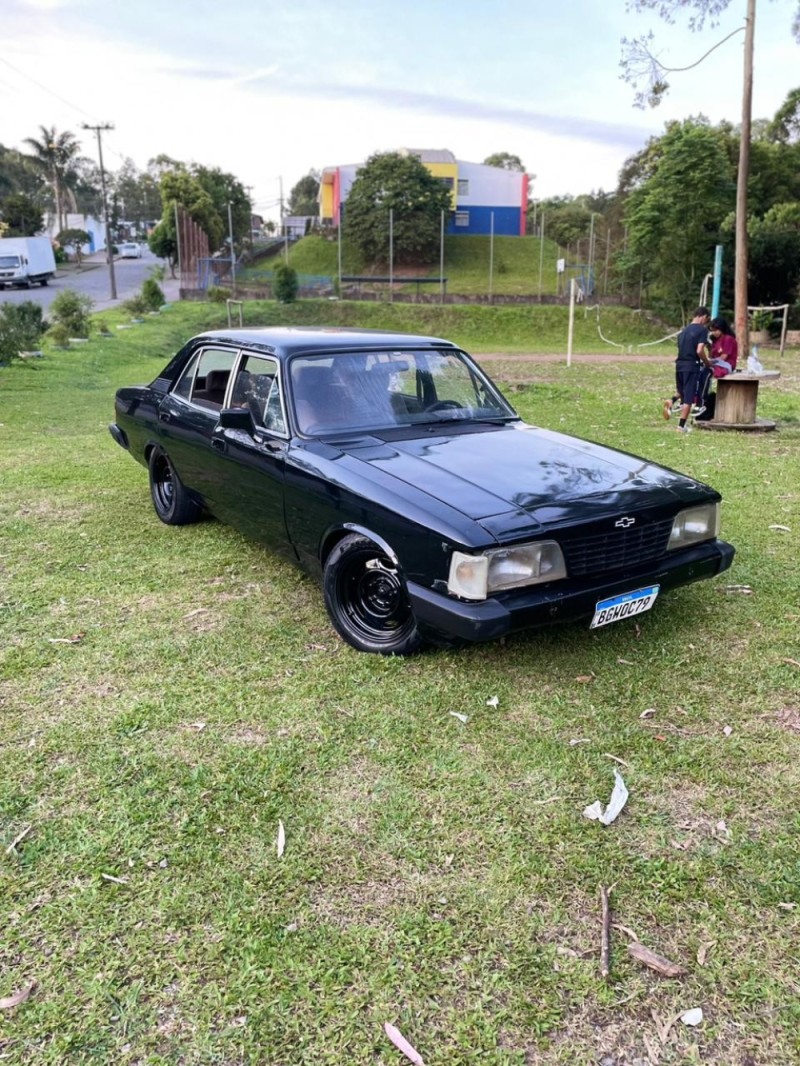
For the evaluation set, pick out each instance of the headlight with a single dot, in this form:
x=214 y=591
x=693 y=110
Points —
x=473 y=577
x=694 y=525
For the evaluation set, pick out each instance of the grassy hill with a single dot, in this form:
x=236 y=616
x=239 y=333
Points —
x=514 y=328
x=466 y=264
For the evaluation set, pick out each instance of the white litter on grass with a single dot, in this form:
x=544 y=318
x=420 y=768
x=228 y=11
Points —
x=493 y=701
x=579 y=740
x=461 y=717
x=619 y=797
x=781 y=529
x=648 y=712
x=727 y=730
x=281 y=840
x=693 y=1016
x=402 y=1044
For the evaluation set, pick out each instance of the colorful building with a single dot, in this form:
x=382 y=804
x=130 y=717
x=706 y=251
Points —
x=483 y=197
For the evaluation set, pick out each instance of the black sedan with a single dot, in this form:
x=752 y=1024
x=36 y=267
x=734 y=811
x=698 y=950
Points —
x=391 y=467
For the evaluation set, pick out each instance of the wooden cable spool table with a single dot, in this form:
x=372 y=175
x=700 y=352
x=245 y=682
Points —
x=737 y=400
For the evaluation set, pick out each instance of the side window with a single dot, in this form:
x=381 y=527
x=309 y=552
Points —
x=184 y=386
x=211 y=377
x=257 y=387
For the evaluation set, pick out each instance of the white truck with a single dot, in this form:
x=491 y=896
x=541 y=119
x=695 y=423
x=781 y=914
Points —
x=25 y=260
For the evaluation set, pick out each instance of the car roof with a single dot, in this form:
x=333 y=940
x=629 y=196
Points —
x=289 y=340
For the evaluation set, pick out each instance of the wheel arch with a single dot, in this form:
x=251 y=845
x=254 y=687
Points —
x=333 y=537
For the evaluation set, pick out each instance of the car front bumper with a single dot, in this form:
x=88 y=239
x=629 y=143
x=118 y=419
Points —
x=439 y=614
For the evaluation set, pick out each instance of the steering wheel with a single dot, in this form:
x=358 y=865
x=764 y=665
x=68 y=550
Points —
x=444 y=405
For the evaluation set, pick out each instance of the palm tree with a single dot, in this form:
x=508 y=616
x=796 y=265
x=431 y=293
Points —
x=55 y=154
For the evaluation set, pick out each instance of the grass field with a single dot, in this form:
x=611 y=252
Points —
x=169 y=695
x=515 y=267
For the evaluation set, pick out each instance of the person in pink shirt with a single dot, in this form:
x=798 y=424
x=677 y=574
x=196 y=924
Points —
x=724 y=349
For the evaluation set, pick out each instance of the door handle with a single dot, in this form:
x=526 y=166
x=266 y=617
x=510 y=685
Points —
x=164 y=416
x=218 y=443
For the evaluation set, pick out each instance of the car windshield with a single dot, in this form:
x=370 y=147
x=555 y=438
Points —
x=9 y=261
x=380 y=389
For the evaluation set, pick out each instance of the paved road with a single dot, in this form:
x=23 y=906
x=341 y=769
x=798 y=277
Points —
x=93 y=280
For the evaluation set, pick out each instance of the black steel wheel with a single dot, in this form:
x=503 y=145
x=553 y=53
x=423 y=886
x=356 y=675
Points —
x=367 y=601
x=173 y=504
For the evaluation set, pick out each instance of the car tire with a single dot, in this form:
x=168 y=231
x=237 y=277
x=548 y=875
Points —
x=172 y=503
x=367 y=601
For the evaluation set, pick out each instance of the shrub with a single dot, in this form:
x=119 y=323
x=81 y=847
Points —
x=217 y=294
x=152 y=294
x=21 y=326
x=27 y=319
x=59 y=335
x=71 y=310
x=136 y=306
x=286 y=284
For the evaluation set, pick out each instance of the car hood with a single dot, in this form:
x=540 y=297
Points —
x=535 y=474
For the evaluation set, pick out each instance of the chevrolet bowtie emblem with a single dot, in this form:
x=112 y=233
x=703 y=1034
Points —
x=624 y=523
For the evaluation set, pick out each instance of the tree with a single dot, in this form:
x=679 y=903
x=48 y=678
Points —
x=568 y=220
x=136 y=195
x=18 y=173
x=674 y=214
x=182 y=188
x=400 y=184
x=504 y=160
x=55 y=155
x=304 y=197
x=785 y=127
x=163 y=243
x=640 y=62
x=23 y=218
x=224 y=189
x=75 y=239
x=774 y=254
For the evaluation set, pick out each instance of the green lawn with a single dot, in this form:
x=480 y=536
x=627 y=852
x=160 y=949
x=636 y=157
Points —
x=168 y=695
x=466 y=264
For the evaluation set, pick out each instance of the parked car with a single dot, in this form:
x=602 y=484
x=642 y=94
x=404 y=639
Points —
x=130 y=250
x=392 y=468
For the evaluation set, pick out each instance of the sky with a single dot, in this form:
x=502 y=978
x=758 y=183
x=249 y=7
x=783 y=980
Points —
x=269 y=90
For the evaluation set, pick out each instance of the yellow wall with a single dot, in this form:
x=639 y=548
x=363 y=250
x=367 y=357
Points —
x=446 y=170
x=326 y=197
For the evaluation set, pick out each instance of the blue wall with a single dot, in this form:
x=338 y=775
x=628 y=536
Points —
x=506 y=221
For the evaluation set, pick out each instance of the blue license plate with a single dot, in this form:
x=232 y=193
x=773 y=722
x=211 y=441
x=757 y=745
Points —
x=626 y=605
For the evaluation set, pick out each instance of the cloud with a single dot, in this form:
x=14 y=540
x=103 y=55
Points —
x=198 y=73
x=629 y=137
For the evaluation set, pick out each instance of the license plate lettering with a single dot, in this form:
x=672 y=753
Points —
x=626 y=605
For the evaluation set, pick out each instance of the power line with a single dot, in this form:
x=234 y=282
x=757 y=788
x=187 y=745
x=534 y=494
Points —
x=44 y=88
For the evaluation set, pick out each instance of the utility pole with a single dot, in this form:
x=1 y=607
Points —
x=233 y=252
x=109 y=253
x=740 y=266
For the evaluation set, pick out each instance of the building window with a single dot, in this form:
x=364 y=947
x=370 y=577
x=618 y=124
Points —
x=447 y=182
x=462 y=218
x=463 y=186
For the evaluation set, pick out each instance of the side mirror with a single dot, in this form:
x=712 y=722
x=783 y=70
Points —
x=237 y=418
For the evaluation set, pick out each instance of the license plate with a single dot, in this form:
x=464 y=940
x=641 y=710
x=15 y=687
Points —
x=627 y=605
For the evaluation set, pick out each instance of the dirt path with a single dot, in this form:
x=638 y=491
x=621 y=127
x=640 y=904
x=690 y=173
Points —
x=591 y=357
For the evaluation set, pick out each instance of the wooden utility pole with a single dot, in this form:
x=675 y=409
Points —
x=740 y=277
x=109 y=251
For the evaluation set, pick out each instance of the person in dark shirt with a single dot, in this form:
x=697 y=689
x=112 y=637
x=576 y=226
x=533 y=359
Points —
x=690 y=365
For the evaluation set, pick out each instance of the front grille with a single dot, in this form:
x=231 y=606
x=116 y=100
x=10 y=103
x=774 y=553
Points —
x=616 y=549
